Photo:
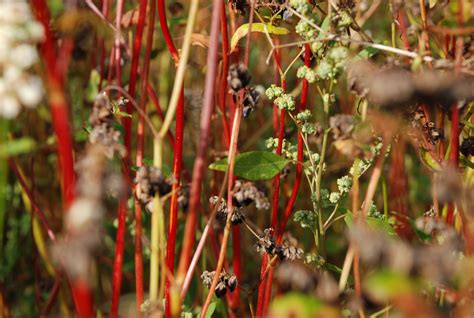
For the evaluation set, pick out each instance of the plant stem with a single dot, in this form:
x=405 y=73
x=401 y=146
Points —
x=225 y=69
x=139 y=157
x=200 y=161
x=202 y=242
x=81 y=291
x=230 y=183
x=122 y=209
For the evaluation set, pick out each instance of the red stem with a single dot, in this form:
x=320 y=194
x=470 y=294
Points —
x=81 y=291
x=299 y=166
x=105 y=12
x=137 y=44
x=139 y=158
x=177 y=160
x=454 y=155
x=200 y=162
x=225 y=69
x=263 y=292
x=122 y=210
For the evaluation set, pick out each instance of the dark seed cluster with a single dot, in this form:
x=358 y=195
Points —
x=246 y=193
x=151 y=181
x=239 y=79
x=467 y=146
x=285 y=251
x=103 y=130
x=226 y=281
x=237 y=216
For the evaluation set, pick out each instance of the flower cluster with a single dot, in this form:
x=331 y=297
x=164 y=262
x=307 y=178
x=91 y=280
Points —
x=306 y=73
x=289 y=150
x=19 y=33
x=306 y=30
x=333 y=64
x=344 y=184
x=226 y=281
x=301 y=6
x=282 y=100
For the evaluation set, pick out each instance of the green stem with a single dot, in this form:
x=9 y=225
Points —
x=3 y=179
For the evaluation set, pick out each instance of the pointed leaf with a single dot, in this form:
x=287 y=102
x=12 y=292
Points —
x=254 y=165
x=256 y=27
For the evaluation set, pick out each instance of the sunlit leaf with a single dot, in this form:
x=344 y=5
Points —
x=254 y=165
x=384 y=285
x=429 y=161
x=376 y=224
x=300 y=305
x=17 y=147
x=256 y=27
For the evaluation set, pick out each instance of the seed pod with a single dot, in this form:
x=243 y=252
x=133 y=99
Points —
x=238 y=77
x=232 y=282
x=221 y=290
x=467 y=147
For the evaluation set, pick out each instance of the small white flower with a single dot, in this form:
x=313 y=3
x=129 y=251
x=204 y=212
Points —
x=24 y=56
x=30 y=91
x=35 y=31
x=11 y=74
x=15 y=12
x=9 y=106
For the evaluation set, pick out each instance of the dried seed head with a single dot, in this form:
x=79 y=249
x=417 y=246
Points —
x=237 y=216
x=103 y=130
x=232 y=282
x=151 y=181
x=288 y=249
x=221 y=290
x=251 y=98
x=183 y=199
x=342 y=126
x=266 y=242
x=245 y=193
x=238 y=77
x=467 y=147
x=207 y=278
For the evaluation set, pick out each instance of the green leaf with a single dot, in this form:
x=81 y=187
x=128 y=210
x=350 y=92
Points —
x=93 y=86
x=325 y=27
x=300 y=305
x=123 y=114
x=17 y=147
x=429 y=161
x=366 y=53
x=243 y=30
x=376 y=224
x=254 y=165
x=210 y=310
x=384 y=285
